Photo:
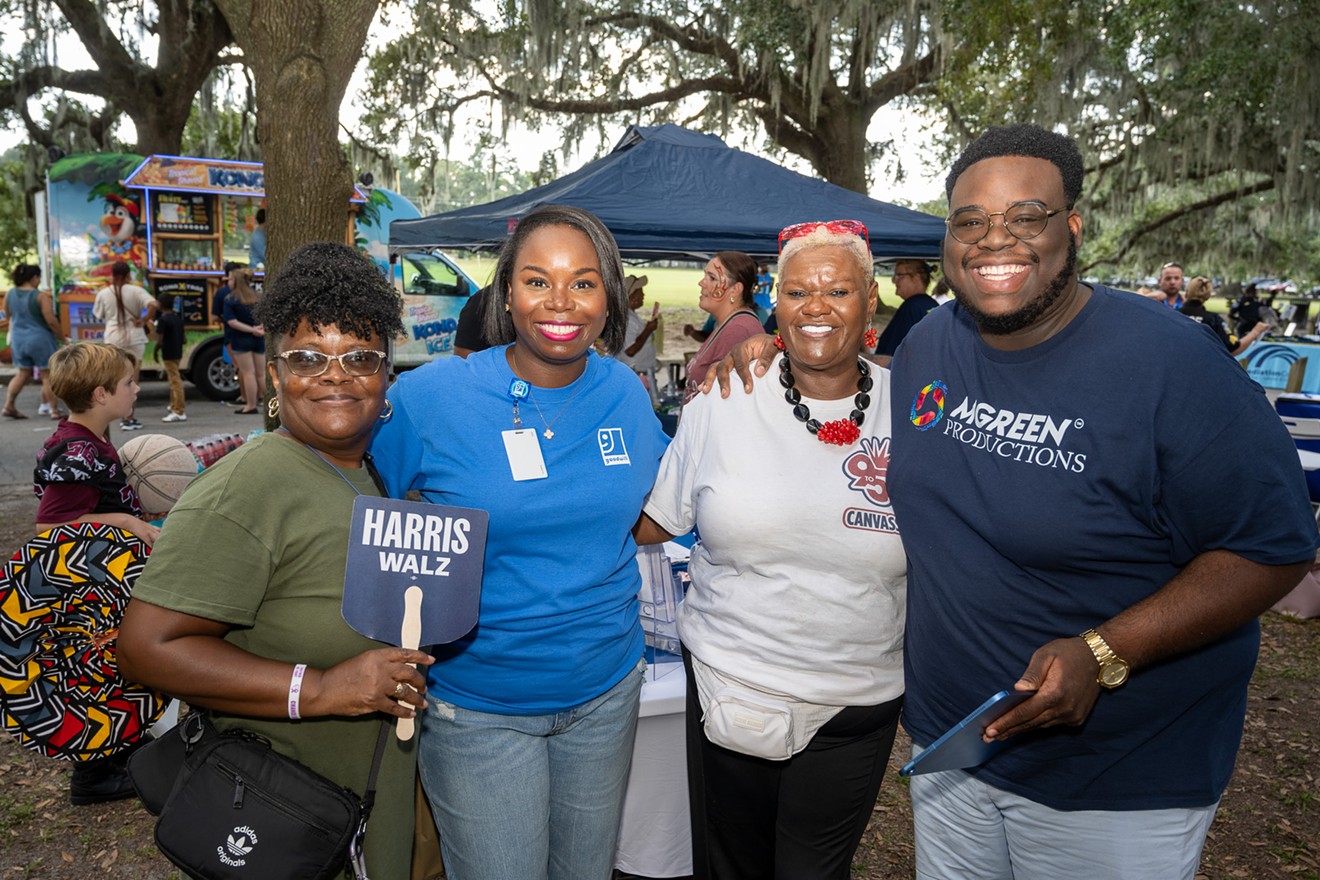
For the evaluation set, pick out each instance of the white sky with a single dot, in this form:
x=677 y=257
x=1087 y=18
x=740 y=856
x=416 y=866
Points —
x=914 y=144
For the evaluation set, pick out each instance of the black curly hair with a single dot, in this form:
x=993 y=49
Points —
x=325 y=284
x=1024 y=140
x=497 y=325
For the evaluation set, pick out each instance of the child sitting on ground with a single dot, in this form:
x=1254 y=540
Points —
x=79 y=478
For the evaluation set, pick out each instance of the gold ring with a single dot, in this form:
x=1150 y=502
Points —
x=398 y=689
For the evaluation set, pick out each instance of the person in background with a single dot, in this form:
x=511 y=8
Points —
x=702 y=333
x=34 y=335
x=911 y=278
x=639 y=348
x=814 y=621
x=79 y=479
x=1171 y=285
x=239 y=607
x=218 y=317
x=1200 y=289
x=526 y=744
x=941 y=294
x=169 y=342
x=1249 y=311
x=469 y=337
x=727 y=285
x=126 y=310
x=257 y=243
x=765 y=284
x=248 y=341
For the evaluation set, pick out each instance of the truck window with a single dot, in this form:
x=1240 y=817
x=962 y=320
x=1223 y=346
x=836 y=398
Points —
x=425 y=275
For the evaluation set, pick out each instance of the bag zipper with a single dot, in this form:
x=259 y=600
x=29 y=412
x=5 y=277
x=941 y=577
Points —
x=241 y=789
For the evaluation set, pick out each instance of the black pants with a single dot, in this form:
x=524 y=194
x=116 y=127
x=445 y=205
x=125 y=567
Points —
x=799 y=819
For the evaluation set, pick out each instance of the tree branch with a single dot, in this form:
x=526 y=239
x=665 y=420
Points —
x=1134 y=235
x=901 y=81
x=106 y=50
x=723 y=84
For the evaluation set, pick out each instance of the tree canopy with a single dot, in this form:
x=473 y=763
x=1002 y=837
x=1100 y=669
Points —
x=811 y=75
x=1199 y=119
x=189 y=37
x=1193 y=114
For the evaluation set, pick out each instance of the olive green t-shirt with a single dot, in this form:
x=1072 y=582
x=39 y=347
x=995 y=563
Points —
x=259 y=541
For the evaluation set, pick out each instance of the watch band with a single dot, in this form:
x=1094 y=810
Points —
x=1113 y=669
x=1099 y=647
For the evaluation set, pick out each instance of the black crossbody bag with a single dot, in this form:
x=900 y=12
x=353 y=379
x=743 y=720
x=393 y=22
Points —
x=232 y=807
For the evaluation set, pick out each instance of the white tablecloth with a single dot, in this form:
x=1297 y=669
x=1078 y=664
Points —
x=654 y=835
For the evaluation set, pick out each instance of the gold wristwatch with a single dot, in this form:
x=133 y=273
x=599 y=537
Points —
x=1113 y=668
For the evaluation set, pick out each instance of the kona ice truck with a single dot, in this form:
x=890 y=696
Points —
x=176 y=220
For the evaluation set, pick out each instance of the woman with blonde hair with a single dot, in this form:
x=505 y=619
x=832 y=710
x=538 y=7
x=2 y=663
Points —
x=1200 y=289
x=793 y=648
x=247 y=340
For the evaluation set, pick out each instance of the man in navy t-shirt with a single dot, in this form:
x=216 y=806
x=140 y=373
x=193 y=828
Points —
x=1057 y=473
x=911 y=278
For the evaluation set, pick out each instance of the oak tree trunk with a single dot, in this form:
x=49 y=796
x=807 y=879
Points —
x=301 y=53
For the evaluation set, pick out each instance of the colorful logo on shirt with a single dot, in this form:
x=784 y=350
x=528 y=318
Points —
x=612 y=450
x=867 y=470
x=928 y=406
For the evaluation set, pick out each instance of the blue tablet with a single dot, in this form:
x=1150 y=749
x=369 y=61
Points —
x=961 y=746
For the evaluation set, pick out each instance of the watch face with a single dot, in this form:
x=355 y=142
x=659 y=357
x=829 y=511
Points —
x=1114 y=673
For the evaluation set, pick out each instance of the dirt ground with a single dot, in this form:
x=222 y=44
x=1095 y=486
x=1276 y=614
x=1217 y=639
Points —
x=1268 y=825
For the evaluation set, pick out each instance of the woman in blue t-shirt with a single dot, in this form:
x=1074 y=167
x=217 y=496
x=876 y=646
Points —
x=526 y=741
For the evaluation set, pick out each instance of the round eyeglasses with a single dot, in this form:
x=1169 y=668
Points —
x=309 y=364
x=1024 y=221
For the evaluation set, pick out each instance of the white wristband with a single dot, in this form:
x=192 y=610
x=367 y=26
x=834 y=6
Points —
x=295 y=690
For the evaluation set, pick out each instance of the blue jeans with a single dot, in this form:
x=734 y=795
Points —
x=532 y=797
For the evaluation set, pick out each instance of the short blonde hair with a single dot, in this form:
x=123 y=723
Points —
x=1199 y=289
x=77 y=370
x=822 y=237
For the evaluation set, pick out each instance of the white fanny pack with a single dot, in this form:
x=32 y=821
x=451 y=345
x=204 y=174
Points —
x=745 y=719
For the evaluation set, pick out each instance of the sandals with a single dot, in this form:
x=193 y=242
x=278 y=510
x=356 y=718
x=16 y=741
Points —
x=12 y=414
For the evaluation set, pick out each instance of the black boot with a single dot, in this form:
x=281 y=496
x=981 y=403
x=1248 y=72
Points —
x=95 y=782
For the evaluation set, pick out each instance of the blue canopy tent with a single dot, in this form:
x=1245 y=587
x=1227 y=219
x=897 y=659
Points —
x=667 y=192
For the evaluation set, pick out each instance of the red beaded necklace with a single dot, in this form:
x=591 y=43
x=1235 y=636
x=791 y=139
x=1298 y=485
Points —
x=840 y=432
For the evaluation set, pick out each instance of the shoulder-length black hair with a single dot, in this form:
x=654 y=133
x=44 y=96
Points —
x=497 y=323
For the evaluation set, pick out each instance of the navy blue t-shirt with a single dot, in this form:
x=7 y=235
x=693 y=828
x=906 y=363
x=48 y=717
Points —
x=1041 y=492
x=913 y=309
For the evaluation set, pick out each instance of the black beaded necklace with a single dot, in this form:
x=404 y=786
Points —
x=840 y=432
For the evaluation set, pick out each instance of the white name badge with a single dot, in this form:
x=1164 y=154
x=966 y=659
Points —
x=524 y=451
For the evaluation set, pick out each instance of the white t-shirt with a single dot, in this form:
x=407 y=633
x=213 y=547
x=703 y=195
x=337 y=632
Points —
x=799 y=582
x=644 y=360
x=119 y=327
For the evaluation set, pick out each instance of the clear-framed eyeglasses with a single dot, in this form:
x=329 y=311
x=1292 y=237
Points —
x=310 y=364
x=1023 y=220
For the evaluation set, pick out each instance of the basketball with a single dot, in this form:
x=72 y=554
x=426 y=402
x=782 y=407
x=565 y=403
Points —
x=158 y=468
